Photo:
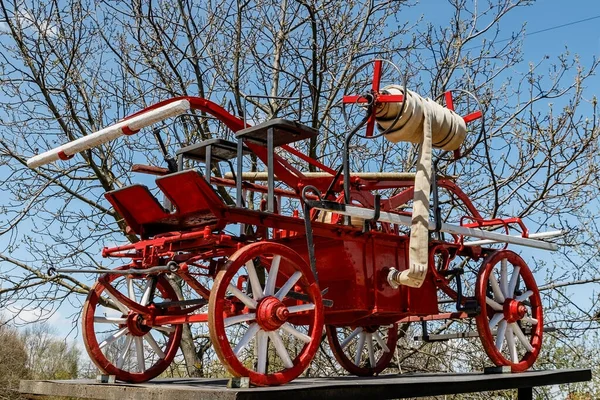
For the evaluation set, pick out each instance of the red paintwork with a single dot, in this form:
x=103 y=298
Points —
x=352 y=265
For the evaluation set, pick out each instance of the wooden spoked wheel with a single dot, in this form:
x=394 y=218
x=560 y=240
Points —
x=115 y=332
x=363 y=350
x=265 y=314
x=510 y=324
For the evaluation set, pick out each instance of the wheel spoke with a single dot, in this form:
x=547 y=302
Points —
x=495 y=319
x=130 y=289
x=263 y=344
x=524 y=296
x=123 y=354
x=236 y=319
x=280 y=349
x=530 y=320
x=521 y=336
x=512 y=347
x=501 y=332
x=498 y=296
x=359 y=349
x=165 y=329
x=154 y=346
x=250 y=333
x=301 y=308
x=512 y=285
x=493 y=304
x=110 y=320
x=122 y=307
x=370 y=349
x=283 y=291
x=139 y=351
x=352 y=335
x=147 y=292
x=381 y=342
x=257 y=290
x=504 y=277
x=242 y=296
x=295 y=332
x=272 y=276
x=113 y=337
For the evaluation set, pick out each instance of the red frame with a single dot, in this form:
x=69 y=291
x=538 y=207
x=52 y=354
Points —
x=370 y=255
x=352 y=264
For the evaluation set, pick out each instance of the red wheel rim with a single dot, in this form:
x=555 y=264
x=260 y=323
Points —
x=357 y=342
x=266 y=317
x=510 y=326
x=121 y=366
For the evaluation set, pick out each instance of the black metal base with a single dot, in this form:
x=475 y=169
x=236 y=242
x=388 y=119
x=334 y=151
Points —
x=346 y=388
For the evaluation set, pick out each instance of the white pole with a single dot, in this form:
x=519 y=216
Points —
x=110 y=133
x=538 y=235
x=366 y=213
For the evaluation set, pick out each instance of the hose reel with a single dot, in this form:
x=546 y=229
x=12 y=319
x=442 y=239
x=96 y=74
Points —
x=402 y=115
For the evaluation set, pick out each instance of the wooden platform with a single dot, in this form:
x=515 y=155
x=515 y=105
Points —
x=346 y=388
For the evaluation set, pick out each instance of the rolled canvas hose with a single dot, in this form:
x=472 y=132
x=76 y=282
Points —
x=447 y=127
x=429 y=124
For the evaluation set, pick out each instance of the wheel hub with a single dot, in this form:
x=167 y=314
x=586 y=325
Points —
x=135 y=326
x=514 y=310
x=271 y=313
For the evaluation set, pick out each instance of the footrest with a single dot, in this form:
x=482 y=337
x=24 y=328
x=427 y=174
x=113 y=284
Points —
x=221 y=150
x=284 y=132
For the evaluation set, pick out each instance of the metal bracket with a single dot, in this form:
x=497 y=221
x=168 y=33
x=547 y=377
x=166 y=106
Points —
x=368 y=222
x=308 y=228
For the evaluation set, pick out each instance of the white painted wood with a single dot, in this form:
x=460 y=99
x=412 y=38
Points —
x=539 y=235
x=110 y=133
x=366 y=213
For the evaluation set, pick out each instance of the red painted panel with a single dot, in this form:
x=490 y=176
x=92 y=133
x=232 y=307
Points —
x=386 y=256
x=136 y=205
x=189 y=192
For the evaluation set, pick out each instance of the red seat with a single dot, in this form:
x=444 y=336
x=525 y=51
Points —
x=190 y=193
x=137 y=206
x=195 y=201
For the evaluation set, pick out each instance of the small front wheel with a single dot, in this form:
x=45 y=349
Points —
x=510 y=324
x=265 y=314
x=115 y=330
x=363 y=350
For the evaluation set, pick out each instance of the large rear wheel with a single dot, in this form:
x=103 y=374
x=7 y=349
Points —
x=265 y=314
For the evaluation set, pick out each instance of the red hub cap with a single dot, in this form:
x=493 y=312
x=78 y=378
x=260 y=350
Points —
x=271 y=313
x=514 y=310
x=134 y=323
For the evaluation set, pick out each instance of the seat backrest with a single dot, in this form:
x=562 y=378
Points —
x=189 y=192
x=137 y=206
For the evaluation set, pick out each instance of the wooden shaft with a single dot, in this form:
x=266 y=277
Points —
x=376 y=176
x=366 y=213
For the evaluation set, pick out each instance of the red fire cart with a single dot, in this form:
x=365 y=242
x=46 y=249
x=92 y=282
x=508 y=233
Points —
x=268 y=281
